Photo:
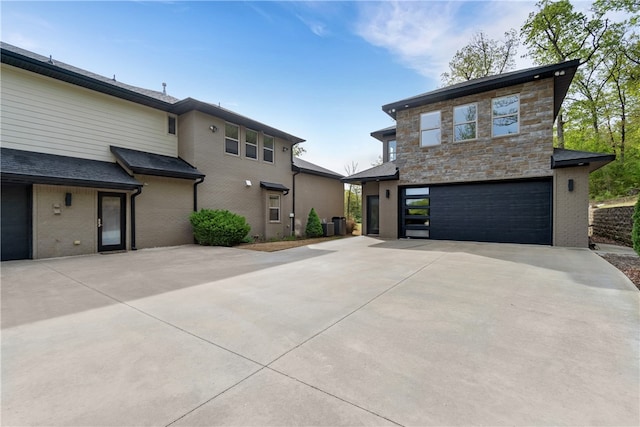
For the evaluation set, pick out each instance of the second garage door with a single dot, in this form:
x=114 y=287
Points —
x=506 y=212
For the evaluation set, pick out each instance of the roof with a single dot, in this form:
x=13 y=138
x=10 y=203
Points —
x=274 y=186
x=381 y=134
x=385 y=172
x=155 y=164
x=563 y=158
x=303 y=166
x=42 y=168
x=51 y=67
x=562 y=73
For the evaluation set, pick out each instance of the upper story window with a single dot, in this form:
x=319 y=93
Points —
x=171 y=125
x=251 y=144
x=392 y=150
x=430 y=129
x=267 y=148
x=231 y=135
x=465 y=122
x=505 y=114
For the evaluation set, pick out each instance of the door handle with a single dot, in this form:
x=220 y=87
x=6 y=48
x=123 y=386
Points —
x=99 y=222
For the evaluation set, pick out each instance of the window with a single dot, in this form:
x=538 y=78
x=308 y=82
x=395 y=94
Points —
x=274 y=208
x=171 y=125
x=231 y=133
x=465 y=122
x=505 y=114
x=430 y=129
x=251 y=144
x=392 y=150
x=267 y=150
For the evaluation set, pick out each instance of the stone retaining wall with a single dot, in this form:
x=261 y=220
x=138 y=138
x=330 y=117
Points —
x=613 y=223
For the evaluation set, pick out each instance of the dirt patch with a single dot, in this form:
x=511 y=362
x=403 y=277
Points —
x=281 y=245
x=628 y=264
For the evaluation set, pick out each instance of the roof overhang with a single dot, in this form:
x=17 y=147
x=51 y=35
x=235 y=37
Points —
x=384 y=134
x=274 y=186
x=562 y=73
x=144 y=163
x=40 y=168
x=563 y=158
x=384 y=172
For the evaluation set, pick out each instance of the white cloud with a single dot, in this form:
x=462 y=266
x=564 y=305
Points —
x=424 y=36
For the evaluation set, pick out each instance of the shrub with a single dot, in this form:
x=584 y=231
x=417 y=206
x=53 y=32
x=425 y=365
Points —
x=314 y=226
x=218 y=227
x=635 y=232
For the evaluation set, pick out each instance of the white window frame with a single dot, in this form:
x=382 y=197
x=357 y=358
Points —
x=247 y=143
x=392 y=155
x=468 y=122
x=227 y=138
x=276 y=208
x=436 y=130
x=494 y=117
x=272 y=149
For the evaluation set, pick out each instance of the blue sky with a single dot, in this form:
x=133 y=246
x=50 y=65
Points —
x=317 y=70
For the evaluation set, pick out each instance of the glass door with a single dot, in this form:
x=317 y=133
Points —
x=373 y=215
x=111 y=221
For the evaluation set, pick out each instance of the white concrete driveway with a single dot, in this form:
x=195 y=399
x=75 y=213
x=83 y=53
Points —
x=350 y=332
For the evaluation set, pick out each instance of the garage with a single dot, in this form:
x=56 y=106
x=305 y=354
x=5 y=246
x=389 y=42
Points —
x=16 y=221
x=504 y=212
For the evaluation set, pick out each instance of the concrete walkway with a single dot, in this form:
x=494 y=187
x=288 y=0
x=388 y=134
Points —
x=349 y=332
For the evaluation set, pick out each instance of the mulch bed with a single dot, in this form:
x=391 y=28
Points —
x=628 y=264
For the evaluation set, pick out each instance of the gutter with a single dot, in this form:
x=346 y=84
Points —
x=133 y=218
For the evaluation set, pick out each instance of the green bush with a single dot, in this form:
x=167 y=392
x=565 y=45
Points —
x=314 y=226
x=635 y=232
x=218 y=227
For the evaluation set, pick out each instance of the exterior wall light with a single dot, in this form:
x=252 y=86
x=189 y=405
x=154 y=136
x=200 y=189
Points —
x=213 y=129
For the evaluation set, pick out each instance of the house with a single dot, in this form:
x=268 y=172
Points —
x=318 y=188
x=90 y=164
x=475 y=161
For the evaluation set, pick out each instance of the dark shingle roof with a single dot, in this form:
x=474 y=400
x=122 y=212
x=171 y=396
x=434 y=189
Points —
x=41 y=168
x=563 y=158
x=155 y=164
x=384 y=172
x=564 y=70
x=303 y=166
x=274 y=186
x=382 y=133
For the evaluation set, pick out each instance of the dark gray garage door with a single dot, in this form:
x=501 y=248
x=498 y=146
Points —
x=507 y=212
x=16 y=221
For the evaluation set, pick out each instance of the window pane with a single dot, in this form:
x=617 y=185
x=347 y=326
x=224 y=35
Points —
x=430 y=137
x=231 y=131
x=418 y=202
x=466 y=113
x=416 y=191
x=251 y=151
x=465 y=131
x=252 y=137
x=172 y=125
x=392 y=150
x=505 y=125
x=417 y=233
x=231 y=146
x=430 y=120
x=268 y=156
x=268 y=142
x=413 y=211
x=506 y=106
x=274 y=201
x=274 y=214
x=416 y=221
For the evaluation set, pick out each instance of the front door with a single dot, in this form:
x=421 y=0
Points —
x=111 y=221
x=373 y=215
x=15 y=223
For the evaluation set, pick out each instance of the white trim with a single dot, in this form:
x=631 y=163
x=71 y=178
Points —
x=277 y=208
x=256 y=145
x=231 y=139
x=272 y=149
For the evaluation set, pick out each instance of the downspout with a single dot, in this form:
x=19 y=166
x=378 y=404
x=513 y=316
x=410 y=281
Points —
x=133 y=217
x=293 y=197
x=195 y=193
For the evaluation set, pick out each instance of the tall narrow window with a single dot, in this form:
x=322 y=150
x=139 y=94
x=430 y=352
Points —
x=274 y=208
x=251 y=144
x=505 y=113
x=392 y=150
x=267 y=151
x=430 y=129
x=171 y=125
x=465 y=122
x=231 y=135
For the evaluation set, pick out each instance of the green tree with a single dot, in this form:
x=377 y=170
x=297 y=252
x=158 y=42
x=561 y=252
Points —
x=482 y=57
x=314 y=226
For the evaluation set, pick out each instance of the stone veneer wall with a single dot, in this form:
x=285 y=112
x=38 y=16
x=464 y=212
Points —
x=524 y=155
x=614 y=223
